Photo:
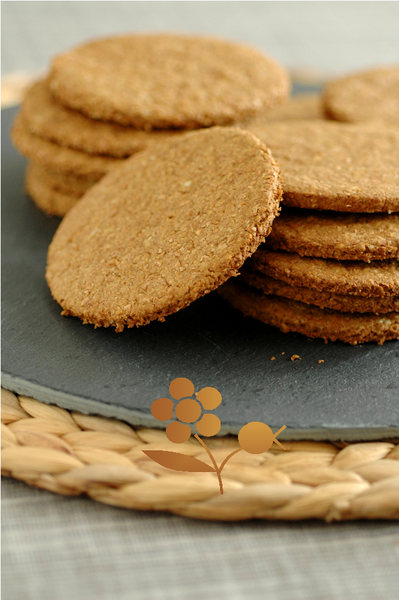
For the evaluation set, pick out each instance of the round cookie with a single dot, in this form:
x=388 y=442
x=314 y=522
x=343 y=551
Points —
x=342 y=236
x=378 y=278
x=301 y=107
x=164 y=81
x=168 y=226
x=50 y=201
x=311 y=321
x=334 y=166
x=360 y=304
x=367 y=96
x=50 y=120
x=58 y=158
x=66 y=184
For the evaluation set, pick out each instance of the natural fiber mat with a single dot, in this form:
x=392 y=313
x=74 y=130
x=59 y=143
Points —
x=71 y=453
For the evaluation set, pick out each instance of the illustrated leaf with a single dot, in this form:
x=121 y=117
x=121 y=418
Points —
x=178 y=462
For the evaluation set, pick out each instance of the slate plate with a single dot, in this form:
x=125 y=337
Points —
x=353 y=395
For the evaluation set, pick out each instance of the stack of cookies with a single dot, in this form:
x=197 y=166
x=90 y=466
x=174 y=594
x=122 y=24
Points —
x=330 y=266
x=108 y=99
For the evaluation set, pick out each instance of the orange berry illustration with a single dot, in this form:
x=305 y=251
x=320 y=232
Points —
x=188 y=410
x=209 y=397
x=209 y=425
x=181 y=387
x=177 y=432
x=162 y=409
x=255 y=437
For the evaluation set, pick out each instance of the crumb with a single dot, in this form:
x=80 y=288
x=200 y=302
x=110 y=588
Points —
x=273 y=358
x=320 y=361
x=283 y=353
x=295 y=357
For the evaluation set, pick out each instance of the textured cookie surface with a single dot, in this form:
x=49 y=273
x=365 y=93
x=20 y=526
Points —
x=66 y=184
x=311 y=321
x=50 y=120
x=162 y=81
x=367 y=96
x=301 y=107
x=58 y=158
x=343 y=236
x=168 y=226
x=349 y=303
x=335 y=166
x=49 y=200
x=378 y=278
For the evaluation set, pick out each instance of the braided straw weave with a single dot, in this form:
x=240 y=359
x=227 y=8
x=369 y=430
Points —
x=71 y=453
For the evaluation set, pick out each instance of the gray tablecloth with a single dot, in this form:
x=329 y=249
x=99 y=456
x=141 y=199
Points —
x=57 y=548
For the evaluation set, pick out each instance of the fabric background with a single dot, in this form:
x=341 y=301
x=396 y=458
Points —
x=57 y=548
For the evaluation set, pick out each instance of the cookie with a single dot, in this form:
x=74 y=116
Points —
x=66 y=184
x=342 y=236
x=314 y=322
x=334 y=166
x=164 y=81
x=58 y=158
x=364 y=97
x=168 y=226
x=360 y=304
x=378 y=278
x=301 y=107
x=50 y=201
x=50 y=120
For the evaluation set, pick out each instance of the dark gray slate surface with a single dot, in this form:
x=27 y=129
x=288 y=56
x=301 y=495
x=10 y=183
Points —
x=353 y=395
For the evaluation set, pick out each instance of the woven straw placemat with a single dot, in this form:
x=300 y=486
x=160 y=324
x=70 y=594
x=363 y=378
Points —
x=70 y=453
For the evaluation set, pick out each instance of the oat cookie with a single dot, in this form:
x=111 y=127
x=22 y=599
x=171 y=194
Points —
x=52 y=202
x=342 y=236
x=301 y=107
x=168 y=226
x=66 y=184
x=335 y=166
x=360 y=304
x=367 y=96
x=50 y=120
x=58 y=158
x=162 y=81
x=378 y=278
x=314 y=322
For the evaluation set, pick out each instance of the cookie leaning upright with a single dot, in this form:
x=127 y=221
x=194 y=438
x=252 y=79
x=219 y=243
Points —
x=166 y=227
x=163 y=81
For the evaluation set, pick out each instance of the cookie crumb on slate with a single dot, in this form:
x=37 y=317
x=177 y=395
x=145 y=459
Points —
x=320 y=362
x=295 y=357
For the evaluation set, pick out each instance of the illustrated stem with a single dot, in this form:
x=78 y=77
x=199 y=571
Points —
x=217 y=470
x=228 y=458
x=276 y=440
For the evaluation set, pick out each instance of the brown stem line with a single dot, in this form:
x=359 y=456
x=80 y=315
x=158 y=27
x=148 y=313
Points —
x=212 y=459
x=228 y=458
x=275 y=437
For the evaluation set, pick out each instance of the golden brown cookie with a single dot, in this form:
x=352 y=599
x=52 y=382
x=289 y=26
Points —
x=378 y=278
x=166 y=227
x=58 y=158
x=363 y=97
x=360 y=304
x=342 y=236
x=50 y=201
x=50 y=120
x=335 y=166
x=301 y=107
x=314 y=322
x=66 y=184
x=162 y=81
